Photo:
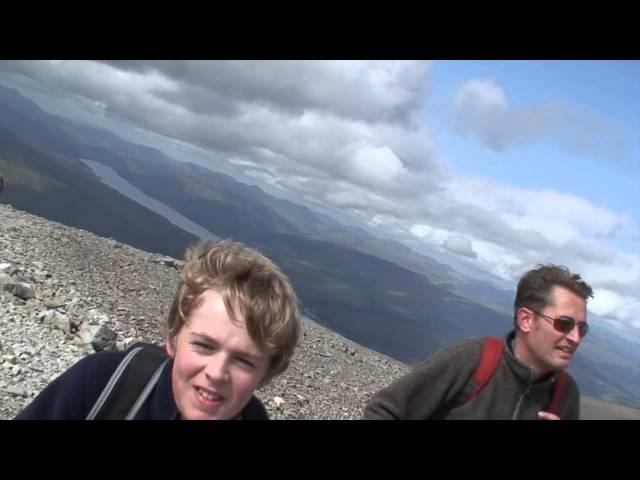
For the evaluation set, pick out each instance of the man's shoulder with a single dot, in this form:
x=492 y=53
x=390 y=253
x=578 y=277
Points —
x=469 y=348
x=571 y=386
x=470 y=343
x=465 y=351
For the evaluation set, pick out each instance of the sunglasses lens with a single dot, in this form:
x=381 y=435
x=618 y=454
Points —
x=583 y=328
x=566 y=324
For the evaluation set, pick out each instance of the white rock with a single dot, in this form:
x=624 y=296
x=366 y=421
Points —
x=18 y=391
x=10 y=359
x=57 y=319
x=8 y=268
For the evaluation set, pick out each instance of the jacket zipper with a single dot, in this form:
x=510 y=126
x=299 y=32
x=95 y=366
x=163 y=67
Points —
x=516 y=412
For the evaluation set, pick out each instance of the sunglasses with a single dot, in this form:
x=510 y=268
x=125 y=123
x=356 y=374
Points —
x=565 y=324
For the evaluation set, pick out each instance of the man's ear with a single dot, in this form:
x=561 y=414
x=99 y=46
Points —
x=170 y=346
x=524 y=317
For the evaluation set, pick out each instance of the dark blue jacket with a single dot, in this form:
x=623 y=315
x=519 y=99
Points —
x=72 y=395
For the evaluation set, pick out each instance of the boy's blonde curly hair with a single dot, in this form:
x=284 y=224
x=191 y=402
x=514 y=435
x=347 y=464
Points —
x=251 y=285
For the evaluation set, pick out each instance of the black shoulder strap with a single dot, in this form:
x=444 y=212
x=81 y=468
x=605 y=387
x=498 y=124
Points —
x=130 y=384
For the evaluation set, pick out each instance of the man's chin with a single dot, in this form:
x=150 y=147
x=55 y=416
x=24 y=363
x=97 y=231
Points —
x=561 y=363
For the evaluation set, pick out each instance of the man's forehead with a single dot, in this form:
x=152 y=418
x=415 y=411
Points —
x=559 y=295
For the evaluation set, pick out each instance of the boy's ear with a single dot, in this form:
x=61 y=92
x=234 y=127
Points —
x=170 y=346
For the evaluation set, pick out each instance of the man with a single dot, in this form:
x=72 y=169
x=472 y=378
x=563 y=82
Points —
x=233 y=327
x=550 y=322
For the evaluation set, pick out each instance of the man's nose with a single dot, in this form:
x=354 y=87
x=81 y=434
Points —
x=574 y=334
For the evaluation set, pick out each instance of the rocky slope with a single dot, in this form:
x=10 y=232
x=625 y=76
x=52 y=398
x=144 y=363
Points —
x=65 y=293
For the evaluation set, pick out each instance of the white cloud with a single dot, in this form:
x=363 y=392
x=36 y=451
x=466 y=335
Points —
x=481 y=94
x=503 y=261
x=427 y=232
x=460 y=246
x=607 y=303
x=265 y=177
x=554 y=230
x=242 y=162
x=620 y=273
x=374 y=166
x=540 y=210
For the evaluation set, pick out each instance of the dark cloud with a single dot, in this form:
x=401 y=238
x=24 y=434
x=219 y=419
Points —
x=367 y=91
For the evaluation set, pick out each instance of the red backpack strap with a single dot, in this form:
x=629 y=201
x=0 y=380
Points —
x=557 y=393
x=489 y=360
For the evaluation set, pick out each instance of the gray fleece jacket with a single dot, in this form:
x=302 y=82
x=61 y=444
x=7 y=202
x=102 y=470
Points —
x=433 y=388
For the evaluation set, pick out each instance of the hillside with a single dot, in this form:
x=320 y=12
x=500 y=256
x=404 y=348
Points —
x=98 y=281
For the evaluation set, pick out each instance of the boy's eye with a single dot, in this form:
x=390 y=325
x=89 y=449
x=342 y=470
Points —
x=202 y=346
x=246 y=362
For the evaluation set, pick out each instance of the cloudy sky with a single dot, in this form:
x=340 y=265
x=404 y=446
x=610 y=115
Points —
x=502 y=164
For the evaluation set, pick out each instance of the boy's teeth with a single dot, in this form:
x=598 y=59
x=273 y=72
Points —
x=206 y=395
